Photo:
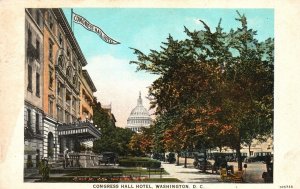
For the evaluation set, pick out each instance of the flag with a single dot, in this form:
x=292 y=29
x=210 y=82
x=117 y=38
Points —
x=82 y=21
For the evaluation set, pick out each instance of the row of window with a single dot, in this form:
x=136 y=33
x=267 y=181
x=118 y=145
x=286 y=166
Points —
x=37 y=16
x=37 y=121
x=37 y=81
x=70 y=72
x=65 y=116
x=35 y=51
x=32 y=51
x=136 y=129
x=140 y=121
x=86 y=98
x=53 y=27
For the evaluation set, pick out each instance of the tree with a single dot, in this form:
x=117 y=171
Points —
x=174 y=140
x=231 y=72
x=135 y=146
x=142 y=143
x=113 y=139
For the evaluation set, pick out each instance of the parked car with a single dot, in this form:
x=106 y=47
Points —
x=199 y=161
x=229 y=156
x=258 y=157
x=171 y=157
x=108 y=158
x=159 y=156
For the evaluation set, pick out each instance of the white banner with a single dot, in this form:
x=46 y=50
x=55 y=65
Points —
x=82 y=21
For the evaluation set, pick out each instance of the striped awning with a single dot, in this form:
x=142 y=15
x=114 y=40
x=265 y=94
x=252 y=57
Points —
x=84 y=131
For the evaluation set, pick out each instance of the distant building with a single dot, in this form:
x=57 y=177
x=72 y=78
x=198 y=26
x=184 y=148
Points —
x=258 y=146
x=139 y=117
x=112 y=118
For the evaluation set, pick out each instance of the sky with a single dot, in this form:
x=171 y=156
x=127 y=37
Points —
x=116 y=80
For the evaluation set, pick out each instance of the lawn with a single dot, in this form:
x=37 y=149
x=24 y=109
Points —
x=115 y=175
x=127 y=171
x=95 y=180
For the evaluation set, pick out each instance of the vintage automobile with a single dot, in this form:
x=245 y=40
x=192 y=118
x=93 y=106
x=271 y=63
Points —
x=108 y=158
x=171 y=157
x=199 y=161
x=258 y=157
x=229 y=156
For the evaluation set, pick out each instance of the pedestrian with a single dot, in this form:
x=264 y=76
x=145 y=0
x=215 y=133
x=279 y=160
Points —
x=216 y=165
x=268 y=162
x=66 y=157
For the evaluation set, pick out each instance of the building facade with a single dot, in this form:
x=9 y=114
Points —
x=112 y=118
x=87 y=88
x=33 y=107
x=139 y=117
x=57 y=88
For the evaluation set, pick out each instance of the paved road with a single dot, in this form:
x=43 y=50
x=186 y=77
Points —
x=191 y=175
x=254 y=171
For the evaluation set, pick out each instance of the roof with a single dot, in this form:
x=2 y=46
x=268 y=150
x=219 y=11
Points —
x=61 y=18
x=89 y=80
x=83 y=130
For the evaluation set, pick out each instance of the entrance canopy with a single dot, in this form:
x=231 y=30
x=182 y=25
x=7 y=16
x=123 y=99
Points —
x=83 y=131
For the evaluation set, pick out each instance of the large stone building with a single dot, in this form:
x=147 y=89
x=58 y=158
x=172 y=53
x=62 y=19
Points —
x=58 y=94
x=87 y=88
x=34 y=67
x=139 y=117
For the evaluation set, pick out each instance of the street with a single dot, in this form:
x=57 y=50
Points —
x=253 y=173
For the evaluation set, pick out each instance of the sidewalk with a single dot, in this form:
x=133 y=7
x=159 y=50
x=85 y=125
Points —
x=253 y=174
x=189 y=174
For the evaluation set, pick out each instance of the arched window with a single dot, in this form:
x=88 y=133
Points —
x=69 y=73
x=61 y=62
x=75 y=80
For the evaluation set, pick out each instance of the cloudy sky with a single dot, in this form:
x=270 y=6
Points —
x=116 y=80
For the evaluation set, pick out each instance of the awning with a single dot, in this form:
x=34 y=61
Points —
x=83 y=131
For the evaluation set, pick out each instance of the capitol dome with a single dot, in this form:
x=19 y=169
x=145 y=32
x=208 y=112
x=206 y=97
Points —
x=139 y=117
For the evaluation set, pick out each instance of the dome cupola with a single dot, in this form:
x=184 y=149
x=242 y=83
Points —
x=139 y=116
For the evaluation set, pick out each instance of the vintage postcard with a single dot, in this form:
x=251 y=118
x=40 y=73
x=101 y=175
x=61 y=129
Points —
x=149 y=95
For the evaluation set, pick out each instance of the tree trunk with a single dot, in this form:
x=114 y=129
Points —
x=177 y=163
x=249 y=148
x=205 y=162
x=185 y=160
x=238 y=153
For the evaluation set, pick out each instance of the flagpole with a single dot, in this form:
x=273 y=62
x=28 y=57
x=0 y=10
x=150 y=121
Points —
x=72 y=20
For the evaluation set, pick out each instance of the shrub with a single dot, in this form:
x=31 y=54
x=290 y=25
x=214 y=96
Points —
x=29 y=162
x=140 y=162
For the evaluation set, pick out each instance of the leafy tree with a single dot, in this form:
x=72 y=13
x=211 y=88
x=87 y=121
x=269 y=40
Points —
x=142 y=143
x=217 y=86
x=113 y=139
x=135 y=145
x=174 y=140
